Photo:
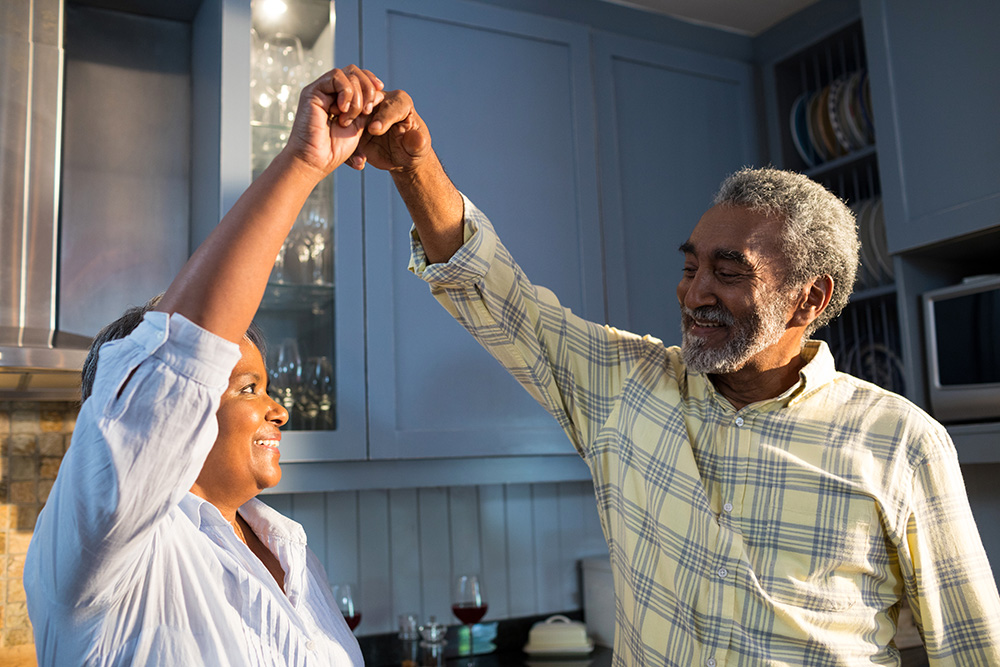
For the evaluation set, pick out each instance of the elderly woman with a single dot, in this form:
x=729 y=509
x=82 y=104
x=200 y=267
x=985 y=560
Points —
x=152 y=549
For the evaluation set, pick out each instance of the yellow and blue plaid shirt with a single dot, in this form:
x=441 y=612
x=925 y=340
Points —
x=786 y=532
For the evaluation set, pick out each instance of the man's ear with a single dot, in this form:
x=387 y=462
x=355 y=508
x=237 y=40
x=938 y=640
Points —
x=813 y=300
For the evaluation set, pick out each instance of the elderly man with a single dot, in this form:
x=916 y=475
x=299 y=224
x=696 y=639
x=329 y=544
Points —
x=760 y=507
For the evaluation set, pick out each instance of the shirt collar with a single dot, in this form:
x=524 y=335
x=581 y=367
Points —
x=267 y=521
x=285 y=538
x=264 y=521
x=818 y=370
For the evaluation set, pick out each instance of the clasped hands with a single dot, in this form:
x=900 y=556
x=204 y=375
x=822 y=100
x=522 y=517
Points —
x=346 y=117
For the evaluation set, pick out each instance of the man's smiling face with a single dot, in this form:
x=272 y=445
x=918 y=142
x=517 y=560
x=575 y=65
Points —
x=733 y=305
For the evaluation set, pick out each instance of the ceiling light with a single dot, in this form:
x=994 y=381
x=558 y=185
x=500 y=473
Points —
x=272 y=9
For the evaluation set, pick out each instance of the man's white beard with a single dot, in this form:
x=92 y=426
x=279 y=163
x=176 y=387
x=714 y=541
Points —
x=760 y=330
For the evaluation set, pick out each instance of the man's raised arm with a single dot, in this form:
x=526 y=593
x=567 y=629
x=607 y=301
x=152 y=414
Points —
x=398 y=141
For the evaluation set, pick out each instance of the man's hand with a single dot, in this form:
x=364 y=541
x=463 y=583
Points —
x=396 y=139
x=331 y=117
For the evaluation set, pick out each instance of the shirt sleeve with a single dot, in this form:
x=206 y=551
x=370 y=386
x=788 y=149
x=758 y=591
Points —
x=571 y=366
x=948 y=578
x=139 y=444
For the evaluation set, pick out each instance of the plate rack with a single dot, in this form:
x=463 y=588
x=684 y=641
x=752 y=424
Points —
x=826 y=133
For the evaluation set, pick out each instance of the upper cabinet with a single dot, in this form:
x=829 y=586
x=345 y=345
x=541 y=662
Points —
x=935 y=94
x=674 y=123
x=509 y=102
x=251 y=61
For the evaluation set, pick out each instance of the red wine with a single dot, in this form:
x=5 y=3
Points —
x=352 y=621
x=468 y=612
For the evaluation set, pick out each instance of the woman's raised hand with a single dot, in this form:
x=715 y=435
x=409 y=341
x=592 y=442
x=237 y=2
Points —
x=332 y=113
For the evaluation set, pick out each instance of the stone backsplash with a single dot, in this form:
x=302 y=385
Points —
x=33 y=438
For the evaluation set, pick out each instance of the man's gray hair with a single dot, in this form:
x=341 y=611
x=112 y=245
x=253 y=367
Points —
x=819 y=236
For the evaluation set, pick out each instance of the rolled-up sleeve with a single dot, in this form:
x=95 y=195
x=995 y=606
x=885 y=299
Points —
x=569 y=365
x=140 y=442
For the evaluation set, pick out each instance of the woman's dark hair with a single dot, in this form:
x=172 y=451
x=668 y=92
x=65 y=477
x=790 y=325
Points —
x=127 y=323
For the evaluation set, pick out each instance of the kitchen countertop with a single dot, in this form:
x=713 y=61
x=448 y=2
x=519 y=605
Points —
x=599 y=657
x=512 y=634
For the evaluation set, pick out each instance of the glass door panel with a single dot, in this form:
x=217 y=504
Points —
x=291 y=45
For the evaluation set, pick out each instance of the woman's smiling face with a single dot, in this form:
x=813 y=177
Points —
x=245 y=457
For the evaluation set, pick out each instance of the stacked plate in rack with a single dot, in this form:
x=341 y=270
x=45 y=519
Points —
x=834 y=120
x=876 y=263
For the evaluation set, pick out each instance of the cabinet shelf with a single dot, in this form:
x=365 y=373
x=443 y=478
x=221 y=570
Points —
x=850 y=162
x=872 y=293
x=260 y=127
x=295 y=297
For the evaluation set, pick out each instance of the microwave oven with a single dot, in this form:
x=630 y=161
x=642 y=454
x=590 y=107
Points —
x=962 y=337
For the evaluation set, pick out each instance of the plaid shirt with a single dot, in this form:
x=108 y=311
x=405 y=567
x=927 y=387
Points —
x=786 y=532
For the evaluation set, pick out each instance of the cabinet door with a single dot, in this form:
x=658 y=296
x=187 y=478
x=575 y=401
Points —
x=222 y=168
x=509 y=102
x=677 y=123
x=935 y=95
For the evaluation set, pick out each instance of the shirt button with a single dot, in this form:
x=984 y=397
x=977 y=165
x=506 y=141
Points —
x=710 y=662
x=310 y=645
x=739 y=421
x=728 y=507
x=723 y=572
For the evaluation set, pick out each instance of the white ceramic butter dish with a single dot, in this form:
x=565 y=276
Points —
x=558 y=635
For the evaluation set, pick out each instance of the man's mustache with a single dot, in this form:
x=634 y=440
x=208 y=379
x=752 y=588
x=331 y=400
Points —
x=716 y=314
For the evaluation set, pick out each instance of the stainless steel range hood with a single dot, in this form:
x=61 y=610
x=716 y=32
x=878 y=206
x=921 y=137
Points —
x=36 y=360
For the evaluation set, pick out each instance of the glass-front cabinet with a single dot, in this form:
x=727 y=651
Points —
x=291 y=43
x=312 y=312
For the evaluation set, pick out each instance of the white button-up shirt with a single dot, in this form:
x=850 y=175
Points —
x=127 y=567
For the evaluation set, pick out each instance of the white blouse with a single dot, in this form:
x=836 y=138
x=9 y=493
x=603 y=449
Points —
x=127 y=567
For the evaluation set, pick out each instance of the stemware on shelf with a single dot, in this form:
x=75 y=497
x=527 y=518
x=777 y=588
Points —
x=322 y=389
x=288 y=378
x=316 y=227
x=276 y=78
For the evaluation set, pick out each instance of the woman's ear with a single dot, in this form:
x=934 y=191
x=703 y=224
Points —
x=814 y=299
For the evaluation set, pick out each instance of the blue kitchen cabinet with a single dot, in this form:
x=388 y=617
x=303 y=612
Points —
x=935 y=96
x=521 y=122
x=674 y=124
x=509 y=100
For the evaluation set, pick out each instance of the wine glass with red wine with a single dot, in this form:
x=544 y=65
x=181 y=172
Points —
x=344 y=595
x=468 y=601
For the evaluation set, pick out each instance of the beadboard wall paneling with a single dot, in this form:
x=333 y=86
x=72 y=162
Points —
x=403 y=546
